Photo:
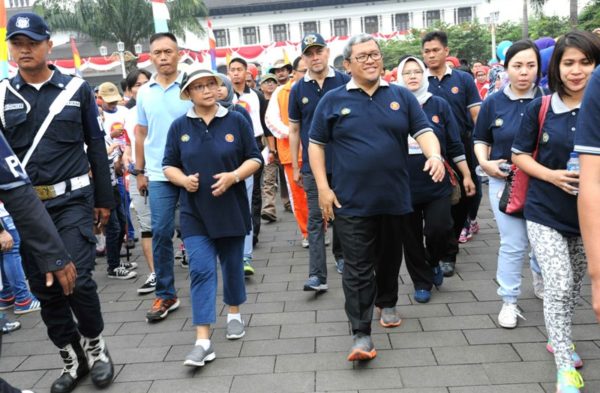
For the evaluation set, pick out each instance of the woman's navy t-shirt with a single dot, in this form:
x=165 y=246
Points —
x=222 y=146
x=547 y=204
x=422 y=188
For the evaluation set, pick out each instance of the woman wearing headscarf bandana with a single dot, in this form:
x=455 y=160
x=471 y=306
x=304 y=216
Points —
x=225 y=96
x=431 y=201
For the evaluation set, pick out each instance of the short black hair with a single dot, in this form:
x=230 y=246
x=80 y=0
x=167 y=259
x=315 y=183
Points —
x=588 y=43
x=520 y=46
x=133 y=76
x=158 y=36
x=439 y=35
x=296 y=62
x=238 y=60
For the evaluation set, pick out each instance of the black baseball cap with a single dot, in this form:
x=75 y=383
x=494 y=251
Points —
x=29 y=24
x=312 y=39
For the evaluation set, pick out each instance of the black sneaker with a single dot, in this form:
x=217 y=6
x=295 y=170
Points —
x=149 y=286
x=129 y=265
x=447 y=268
x=121 y=273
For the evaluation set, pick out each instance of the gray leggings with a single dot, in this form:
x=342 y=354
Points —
x=563 y=263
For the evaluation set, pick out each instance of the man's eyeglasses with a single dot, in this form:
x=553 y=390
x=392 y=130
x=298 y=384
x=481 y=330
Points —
x=362 y=58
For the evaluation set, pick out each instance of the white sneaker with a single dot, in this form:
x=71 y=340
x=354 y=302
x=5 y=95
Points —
x=305 y=243
x=538 y=285
x=508 y=315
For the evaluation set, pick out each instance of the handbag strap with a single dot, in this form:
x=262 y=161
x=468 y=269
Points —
x=449 y=169
x=55 y=108
x=541 y=119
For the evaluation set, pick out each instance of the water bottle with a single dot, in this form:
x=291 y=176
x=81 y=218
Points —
x=480 y=172
x=573 y=164
x=504 y=167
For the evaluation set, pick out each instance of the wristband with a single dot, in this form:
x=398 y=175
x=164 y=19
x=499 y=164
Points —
x=437 y=156
x=237 y=176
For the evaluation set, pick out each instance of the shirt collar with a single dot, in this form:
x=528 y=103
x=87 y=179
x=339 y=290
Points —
x=558 y=105
x=513 y=97
x=57 y=79
x=447 y=72
x=351 y=85
x=330 y=74
x=178 y=81
x=221 y=112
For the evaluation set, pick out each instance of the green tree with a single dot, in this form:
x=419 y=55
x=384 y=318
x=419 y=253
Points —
x=537 y=6
x=129 y=21
x=589 y=19
x=552 y=26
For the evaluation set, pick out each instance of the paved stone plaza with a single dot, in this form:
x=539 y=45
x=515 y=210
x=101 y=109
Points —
x=298 y=342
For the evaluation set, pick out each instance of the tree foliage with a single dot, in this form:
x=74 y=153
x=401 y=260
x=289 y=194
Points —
x=472 y=41
x=129 y=21
x=589 y=19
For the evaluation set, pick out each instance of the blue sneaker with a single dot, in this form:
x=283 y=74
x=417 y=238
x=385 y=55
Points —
x=422 y=295
x=339 y=265
x=6 y=303
x=314 y=284
x=577 y=361
x=568 y=380
x=438 y=276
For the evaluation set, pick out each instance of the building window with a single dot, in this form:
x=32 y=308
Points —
x=402 y=22
x=432 y=17
x=464 y=15
x=280 y=33
x=250 y=35
x=221 y=37
x=340 y=27
x=371 y=24
x=310 y=27
x=19 y=3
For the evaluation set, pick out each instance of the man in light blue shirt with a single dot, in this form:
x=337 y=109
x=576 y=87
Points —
x=158 y=104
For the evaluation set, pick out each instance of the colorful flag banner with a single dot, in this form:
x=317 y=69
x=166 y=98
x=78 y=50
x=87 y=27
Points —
x=160 y=12
x=76 y=57
x=212 y=45
x=3 y=45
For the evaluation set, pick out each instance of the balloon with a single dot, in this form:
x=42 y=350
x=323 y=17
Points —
x=502 y=48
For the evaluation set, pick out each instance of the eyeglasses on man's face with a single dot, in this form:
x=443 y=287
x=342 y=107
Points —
x=362 y=58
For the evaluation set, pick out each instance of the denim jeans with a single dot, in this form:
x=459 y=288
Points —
x=317 y=260
x=13 y=276
x=203 y=253
x=163 y=200
x=115 y=231
x=126 y=202
x=513 y=246
x=248 y=246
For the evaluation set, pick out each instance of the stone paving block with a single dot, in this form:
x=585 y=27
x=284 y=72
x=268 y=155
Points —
x=278 y=347
x=450 y=297
x=125 y=316
x=126 y=387
x=252 y=333
x=407 y=390
x=476 y=354
x=322 y=302
x=343 y=343
x=460 y=375
x=129 y=305
x=139 y=355
x=158 y=371
x=257 y=308
x=282 y=318
x=519 y=388
x=457 y=323
x=333 y=315
x=26 y=348
x=41 y=362
x=312 y=362
x=520 y=372
x=498 y=336
x=237 y=366
x=285 y=277
x=480 y=275
x=586 y=332
x=195 y=385
x=314 y=330
x=449 y=338
x=408 y=325
x=281 y=383
x=23 y=379
x=266 y=287
x=10 y=363
x=358 y=379
x=34 y=334
x=168 y=338
x=476 y=308
x=424 y=310
x=537 y=351
x=165 y=326
x=396 y=358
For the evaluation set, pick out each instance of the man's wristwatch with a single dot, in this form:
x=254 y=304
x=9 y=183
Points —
x=136 y=172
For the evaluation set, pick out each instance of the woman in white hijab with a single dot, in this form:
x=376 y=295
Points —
x=431 y=201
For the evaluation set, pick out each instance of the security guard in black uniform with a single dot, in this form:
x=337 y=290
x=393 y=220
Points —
x=58 y=168
x=38 y=233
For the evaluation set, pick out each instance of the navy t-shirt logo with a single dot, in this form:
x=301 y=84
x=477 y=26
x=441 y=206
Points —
x=454 y=90
x=185 y=138
x=435 y=119
x=345 y=111
x=305 y=100
x=499 y=122
x=229 y=138
x=394 y=105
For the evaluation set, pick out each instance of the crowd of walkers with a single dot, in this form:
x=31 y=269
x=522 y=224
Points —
x=384 y=169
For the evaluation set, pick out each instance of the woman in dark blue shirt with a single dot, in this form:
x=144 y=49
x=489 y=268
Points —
x=497 y=124
x=209 y=152
x=551 y=205
x=430 y=200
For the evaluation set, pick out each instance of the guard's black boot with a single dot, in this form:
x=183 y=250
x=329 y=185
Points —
x=99 y=361
x=76 y=367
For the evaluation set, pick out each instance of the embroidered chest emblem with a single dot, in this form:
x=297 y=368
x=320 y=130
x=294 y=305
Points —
x=345 y=111
x=229 y=138
x=499 y=122
x=305 y=100
x=394 y=105
x=435 y=119
x=454 y=90
x=185 y=138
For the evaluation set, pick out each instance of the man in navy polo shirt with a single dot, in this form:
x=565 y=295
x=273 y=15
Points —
x=587 y=144
x=304 y=97
x=367 y=123
x=459 y=89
